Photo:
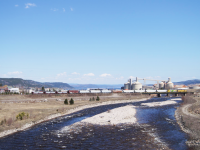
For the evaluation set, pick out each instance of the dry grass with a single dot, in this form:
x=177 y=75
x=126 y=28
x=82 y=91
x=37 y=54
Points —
x=37 y=109
x=188 y=100
x=188 y=121
x=195 y=108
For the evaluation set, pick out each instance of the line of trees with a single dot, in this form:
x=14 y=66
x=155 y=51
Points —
x=93 y=99
x=71 y=101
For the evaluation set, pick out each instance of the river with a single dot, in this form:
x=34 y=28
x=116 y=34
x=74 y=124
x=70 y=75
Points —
x=156 y=129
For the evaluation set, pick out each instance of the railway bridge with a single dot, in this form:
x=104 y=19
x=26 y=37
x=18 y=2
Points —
x=169 y=93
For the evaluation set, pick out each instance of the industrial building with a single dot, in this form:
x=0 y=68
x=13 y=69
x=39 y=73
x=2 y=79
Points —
x=133 y=86
x=138 y=86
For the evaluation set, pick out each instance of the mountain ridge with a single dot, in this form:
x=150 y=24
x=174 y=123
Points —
x=18 y=82
x=30 y=83
x=188 y=82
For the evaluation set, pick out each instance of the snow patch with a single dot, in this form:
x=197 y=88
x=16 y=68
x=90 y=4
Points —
x=115 y=116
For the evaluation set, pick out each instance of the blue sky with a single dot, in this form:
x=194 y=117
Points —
x=99 y=42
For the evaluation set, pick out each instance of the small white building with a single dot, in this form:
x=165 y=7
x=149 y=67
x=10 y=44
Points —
x=47 y=89
x=14 y=90
x=28 y=90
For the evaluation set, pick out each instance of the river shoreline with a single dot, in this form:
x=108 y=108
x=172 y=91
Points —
x=184 y=118
x=126 y=124
x=28 y=125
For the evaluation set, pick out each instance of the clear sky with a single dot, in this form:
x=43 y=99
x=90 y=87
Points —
x=99 y=41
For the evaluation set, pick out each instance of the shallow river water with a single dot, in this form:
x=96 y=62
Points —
x=156 y=129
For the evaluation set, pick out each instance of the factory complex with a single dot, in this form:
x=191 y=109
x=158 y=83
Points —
x=161 y=85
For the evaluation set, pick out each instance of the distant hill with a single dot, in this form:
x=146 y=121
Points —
x=188 y=82
x=18 y=82
x=101 y=86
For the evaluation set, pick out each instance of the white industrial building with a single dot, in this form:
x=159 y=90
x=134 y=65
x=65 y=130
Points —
x=14 y=90
x=133 y=86
x=138 y=86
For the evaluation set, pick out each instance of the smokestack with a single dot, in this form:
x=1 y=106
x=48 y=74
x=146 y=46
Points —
x=130 y=83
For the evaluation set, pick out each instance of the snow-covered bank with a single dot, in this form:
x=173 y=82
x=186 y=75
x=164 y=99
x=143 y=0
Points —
x=124 y=114
x=167 y=102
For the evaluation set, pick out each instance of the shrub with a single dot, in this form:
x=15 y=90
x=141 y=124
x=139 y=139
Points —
x=66 y=102
x=93 y=99
x=71 y=101
x=97 y=98
x=90 y=99
x=3 y=121
x=22 y=115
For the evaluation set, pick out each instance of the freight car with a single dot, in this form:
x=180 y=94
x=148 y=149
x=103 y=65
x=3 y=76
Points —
x=95 y=91
x=139 y=91
x=162 y=91
x=171 y=91
x=128 y=91
x=50 y=92
x=117 y=91
x=110 y=91
x=150 y=91
x=182 y=91
x=73 y=91
x=84 y=91
x=106 y=91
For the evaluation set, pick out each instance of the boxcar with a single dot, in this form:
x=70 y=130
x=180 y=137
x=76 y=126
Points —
x=117 y=91
x=106 y=91
x=95 y=91
x=182 y=90
x=72 y=91
x=172 y=91
x=164 y=91
x=128 y=91
x=150 y=91
x=84 y=91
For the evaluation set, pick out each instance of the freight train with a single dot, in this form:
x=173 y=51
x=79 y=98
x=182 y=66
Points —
x=111 y=91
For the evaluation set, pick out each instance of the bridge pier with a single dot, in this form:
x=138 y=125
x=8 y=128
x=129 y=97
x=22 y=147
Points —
x=167 y=94
x=158 y=95
x=184 y=94
x=176 y=94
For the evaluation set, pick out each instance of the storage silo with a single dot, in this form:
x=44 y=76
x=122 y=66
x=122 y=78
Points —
x=161 y=85
x=137 y=85
x=169 y=85
x=126 y=86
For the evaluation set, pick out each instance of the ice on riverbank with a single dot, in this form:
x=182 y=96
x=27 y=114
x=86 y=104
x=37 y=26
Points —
x=167 y=102
x=176 y=99
x=124 y=114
